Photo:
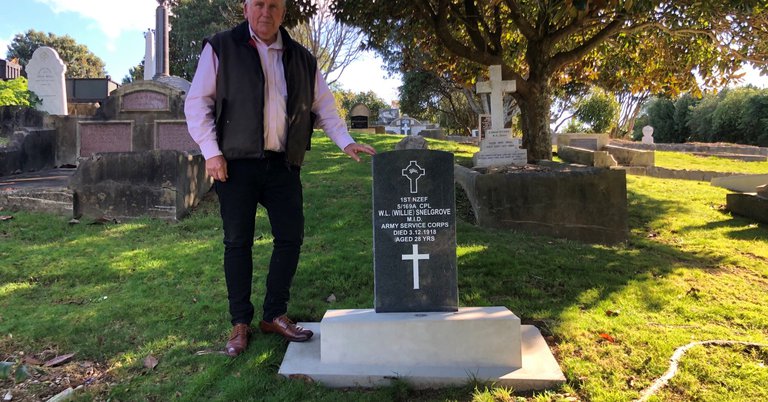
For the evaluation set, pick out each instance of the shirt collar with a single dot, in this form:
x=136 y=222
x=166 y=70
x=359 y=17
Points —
x=277 y=44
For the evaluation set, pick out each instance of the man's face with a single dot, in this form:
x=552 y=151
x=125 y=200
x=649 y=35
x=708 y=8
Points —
x=265 y=17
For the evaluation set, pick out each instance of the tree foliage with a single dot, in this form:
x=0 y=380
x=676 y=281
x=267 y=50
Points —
x=734 y=115
x=15 y=92
x=542 y=44
x=135 y=73
x=80 y=62
x=194 y=20
x=426 y=96
x=599 y=110
x=346 y=99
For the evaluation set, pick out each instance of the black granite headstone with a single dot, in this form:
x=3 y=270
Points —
x=359 y=121
x=414 y=232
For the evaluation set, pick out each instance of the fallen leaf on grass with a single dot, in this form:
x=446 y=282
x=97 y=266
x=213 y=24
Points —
x=607 y=337
x=5 y=217
x=59 y=360
x=210 y=352
x=150 y=362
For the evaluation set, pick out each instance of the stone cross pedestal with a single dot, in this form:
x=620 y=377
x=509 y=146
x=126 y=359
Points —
x=498 y=147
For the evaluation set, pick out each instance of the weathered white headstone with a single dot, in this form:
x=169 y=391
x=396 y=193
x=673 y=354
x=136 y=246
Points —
x=498 y=147
x=647 y=135
x=149 y=54
x=45 y=72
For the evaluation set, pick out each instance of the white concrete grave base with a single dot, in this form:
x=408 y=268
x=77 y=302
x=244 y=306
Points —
x=360 y=348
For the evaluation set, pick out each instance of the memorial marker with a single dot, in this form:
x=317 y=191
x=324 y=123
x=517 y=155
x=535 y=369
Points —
x=414 y=233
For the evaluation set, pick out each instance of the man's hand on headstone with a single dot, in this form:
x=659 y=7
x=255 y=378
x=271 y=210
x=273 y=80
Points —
x=354 y=148
x=216 y=167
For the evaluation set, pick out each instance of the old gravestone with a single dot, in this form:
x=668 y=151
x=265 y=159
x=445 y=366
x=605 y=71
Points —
x=414 y=232
x=359 y=115
x=647 y=135
x=45 y=72
x=498 y=148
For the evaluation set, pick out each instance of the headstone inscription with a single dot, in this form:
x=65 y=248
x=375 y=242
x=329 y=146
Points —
x=414 y=232
x=108 y=136
x=173 y=135
x=45 y=72
x=144 y=101
x=498 y=147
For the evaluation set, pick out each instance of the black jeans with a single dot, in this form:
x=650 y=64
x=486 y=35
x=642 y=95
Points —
x=271 y=183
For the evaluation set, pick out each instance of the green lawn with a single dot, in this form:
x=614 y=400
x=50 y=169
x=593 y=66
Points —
x=115 y=294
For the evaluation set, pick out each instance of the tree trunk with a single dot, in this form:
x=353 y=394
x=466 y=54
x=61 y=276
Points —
x=534 y=118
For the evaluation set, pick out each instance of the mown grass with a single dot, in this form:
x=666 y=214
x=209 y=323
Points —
x=683 y=161
x=117 y=293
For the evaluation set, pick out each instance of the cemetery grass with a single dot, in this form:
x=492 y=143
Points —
x=115 y=294
x=684 y=161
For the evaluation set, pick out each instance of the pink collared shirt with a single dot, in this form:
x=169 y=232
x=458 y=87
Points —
x=199 y=106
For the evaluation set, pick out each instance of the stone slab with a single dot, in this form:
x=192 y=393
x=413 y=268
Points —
x=747 y=205
x=539 y=369
x=746 y=183
x=489 y=336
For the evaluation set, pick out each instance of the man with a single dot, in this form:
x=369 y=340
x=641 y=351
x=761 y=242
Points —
x=251 y=109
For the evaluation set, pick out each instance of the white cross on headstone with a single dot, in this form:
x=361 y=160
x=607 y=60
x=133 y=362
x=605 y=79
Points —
x=497 y=88
x=415 y=257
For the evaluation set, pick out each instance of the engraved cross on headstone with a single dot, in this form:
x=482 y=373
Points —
x=413 y=172
x=415 y=257
x=497 y=88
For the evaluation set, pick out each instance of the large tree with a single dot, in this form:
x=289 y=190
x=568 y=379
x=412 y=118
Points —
x=194 y=20
x=546 y=43
x=335 y=44
x=81 y=63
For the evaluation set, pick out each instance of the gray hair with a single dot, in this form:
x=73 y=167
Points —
x=249 y=2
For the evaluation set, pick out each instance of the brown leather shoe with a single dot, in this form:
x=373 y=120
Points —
x=284 y=326
x=238 y=340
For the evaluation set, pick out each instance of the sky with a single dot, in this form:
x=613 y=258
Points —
x=114 y=31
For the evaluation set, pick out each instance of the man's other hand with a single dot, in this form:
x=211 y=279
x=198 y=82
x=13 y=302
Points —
x=216 y=167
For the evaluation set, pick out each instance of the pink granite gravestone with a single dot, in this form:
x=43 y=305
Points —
x=95 y=137
x=173 y=135
x=144 y=101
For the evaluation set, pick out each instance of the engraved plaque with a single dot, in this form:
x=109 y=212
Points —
x=105 y=137
x=140 y=101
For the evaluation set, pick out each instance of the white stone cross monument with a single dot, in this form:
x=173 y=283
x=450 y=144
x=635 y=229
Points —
x=497 y=88
x=45 y=72
x=498 y=148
